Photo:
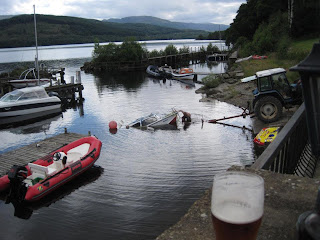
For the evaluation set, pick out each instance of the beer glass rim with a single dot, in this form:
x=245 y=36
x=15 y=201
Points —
x=260 y=180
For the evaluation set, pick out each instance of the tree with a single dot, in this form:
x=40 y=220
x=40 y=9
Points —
x=171 y=50
x=211 y=48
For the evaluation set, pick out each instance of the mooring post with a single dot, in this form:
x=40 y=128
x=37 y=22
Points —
x=78 y=77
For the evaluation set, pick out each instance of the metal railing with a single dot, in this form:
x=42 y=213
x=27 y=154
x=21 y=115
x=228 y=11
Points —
x=290 y=152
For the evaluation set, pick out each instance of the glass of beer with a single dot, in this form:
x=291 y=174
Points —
x=237 y=205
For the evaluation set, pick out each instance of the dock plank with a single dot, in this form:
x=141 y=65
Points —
x=34 y=151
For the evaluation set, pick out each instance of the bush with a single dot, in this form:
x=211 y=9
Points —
x=211 y=48
x=212 y=81
x=129 y=50
x=202 y=49
x=171 y=50
x=184 y=49
x=283 y=47
x=105 y=53
x=154 y=53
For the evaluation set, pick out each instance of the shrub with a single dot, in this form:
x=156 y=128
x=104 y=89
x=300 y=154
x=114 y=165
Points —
x=171 y=50
x=129 y=50
x=212 y=81
x=283 y=47
x=211 y=48
x=184 y=49
x=154 y=53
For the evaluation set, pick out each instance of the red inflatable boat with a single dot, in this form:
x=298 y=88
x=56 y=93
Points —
x=38 y=178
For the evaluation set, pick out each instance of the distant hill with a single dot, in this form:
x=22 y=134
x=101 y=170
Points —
x=18 y=31
x=6 y=16
x=165 y=23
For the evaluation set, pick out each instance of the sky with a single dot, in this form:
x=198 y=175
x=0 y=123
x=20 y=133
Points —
x=195 y=11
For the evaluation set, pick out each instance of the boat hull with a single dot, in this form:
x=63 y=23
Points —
x=155 y=121
x=170 y=119
x=154 y=72
x=30 y=110
x=183 y=76
x=66 y=174
x=21 y=83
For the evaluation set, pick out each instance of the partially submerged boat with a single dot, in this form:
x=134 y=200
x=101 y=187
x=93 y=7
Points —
x=27 y=104
x=38 y=178
x=155 y=120
x=28 y=79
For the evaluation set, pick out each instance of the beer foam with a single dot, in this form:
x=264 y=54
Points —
x=236 y=212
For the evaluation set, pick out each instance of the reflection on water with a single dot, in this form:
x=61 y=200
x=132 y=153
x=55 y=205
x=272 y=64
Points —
x=118 y=80
x=150 y=178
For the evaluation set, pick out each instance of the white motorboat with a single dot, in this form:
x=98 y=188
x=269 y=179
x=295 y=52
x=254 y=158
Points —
x=155 y=121
x=28 y=79
x=27 y=104
x=183 y=74
x=178 y=74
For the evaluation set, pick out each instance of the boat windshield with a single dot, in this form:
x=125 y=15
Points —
x=12 y=96
x=18 y=95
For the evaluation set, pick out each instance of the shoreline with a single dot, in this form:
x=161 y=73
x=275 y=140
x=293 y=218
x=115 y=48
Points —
x=234 y=92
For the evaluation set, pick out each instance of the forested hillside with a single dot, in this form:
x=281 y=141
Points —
x=165 y=23
x=263 y=26
x=53 y=30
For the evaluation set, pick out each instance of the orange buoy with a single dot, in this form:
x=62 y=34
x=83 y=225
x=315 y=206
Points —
x=113 y=125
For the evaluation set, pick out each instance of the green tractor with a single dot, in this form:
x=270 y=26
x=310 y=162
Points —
x=273 y=92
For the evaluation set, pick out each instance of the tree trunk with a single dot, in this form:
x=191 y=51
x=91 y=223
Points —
x=290 y=12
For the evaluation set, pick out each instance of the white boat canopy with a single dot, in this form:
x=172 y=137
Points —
x=25 y=94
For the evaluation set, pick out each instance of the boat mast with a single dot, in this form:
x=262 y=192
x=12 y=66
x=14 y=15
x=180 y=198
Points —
x=35 y=33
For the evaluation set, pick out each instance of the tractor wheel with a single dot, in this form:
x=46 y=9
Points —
x=268 y=109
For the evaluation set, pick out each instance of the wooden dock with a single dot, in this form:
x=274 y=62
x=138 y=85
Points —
x=34 y=151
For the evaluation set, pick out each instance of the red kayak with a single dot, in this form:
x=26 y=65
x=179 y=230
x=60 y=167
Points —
x=38 y=178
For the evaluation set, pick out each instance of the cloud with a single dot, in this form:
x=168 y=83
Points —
x=197 y=11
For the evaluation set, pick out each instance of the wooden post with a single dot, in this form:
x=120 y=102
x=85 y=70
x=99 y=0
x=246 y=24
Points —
x=78 y=77
x=80 y=93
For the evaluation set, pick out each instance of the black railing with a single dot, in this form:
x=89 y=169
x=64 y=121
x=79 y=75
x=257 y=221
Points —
x=288 y=153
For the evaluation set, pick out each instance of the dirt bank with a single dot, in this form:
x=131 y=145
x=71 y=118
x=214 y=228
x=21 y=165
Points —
x=235 y=93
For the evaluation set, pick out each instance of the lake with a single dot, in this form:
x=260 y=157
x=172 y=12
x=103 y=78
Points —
x=144 y=181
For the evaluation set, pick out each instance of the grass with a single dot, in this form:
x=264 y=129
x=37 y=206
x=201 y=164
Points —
x=298 y=50
x=304 y=45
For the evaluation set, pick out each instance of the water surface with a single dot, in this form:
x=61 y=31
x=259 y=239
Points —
x=144 y=181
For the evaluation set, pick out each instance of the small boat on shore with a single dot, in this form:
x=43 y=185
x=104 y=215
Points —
x=155 y=120
x=28 y=79
x=36 y=179
x=258 y=57
x=27 y=104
